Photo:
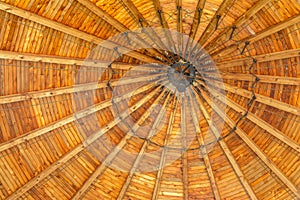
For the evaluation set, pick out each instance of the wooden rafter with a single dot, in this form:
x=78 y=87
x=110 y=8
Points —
x=163 y=155
x=197 y=18
x=258 y=152
x=112 y=155
x=164 y=24
x=261 y=58
x=68 y=119
x=281 y=80
x=139 y=18
x=246 y=16
x=75 y=88
x=142 y=151
x=259 y=98
x=262 y=34
x=195 y=26
x=203 y=151
x=184 y=146
x=29 y=57
x=92 y=138
x=74 y=32
x=225 y=148
x=258 y=121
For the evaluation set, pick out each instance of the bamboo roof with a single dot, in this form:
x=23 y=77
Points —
x=150 y=99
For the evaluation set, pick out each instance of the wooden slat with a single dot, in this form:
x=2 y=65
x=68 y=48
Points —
x=259 y=153
x=66 y=120
x=74 y=32
x=163 y=155
x=203 y=151
x=258 y=121
x=112 y=155
x=240 y=175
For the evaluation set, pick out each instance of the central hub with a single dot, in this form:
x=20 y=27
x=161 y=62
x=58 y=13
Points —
x=181 y=74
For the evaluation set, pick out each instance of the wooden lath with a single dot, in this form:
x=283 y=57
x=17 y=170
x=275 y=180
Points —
x=257 y=151
x=163 y=155
x=225 y=147
x=88 y=141
x=142 y=151
x=74 y=32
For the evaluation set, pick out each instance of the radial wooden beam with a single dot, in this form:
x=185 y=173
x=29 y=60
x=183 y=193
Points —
x=68 y=119
x=258 y=151
x=195 y=26
x=184 y=147
x=29 y=57
x=142 y=151
x=241 y=20
x=258 y=121
x=74 y=32
x=139 y=18
x=213 y=22
x=281 y=80
x=264 y=33
x=203 y=151
x=112 y=155
x=197 y=18
x=163 y=155
x=225 y=148
x=75 y=88
x=260 y=58
x=164 y=24
x=259 y=98
x=88 y=141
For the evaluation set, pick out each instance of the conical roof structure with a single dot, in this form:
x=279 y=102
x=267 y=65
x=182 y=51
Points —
x=149 y=99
